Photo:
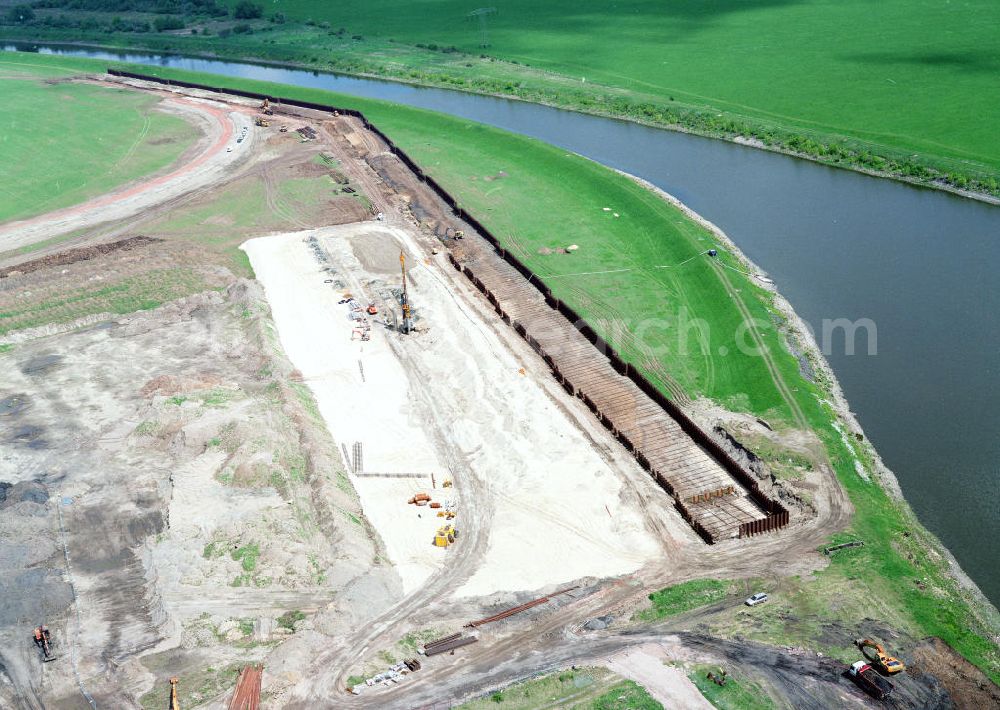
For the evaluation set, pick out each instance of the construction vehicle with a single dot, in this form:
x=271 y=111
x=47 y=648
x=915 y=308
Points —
x=719 y=679
x=261 y=121
x=883 y=662
x=174 y=703
x=266 y=109
x=407 y=324
x=372 y=308
x=445 y=536
x=283 y=129
x=870 y=681
x=43 y=640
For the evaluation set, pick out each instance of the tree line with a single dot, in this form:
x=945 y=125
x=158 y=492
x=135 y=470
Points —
x=173 y=14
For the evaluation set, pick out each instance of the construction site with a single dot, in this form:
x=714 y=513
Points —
x=356 y=454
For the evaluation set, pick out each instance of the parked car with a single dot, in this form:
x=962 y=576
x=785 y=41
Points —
x=758 y=598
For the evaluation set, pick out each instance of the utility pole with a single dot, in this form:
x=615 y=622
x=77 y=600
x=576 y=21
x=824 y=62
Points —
x=482 y=14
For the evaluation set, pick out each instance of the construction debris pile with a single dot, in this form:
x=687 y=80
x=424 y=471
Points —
x=394 y=674
x=362 y=327
x=308 y=133
x=446 y=534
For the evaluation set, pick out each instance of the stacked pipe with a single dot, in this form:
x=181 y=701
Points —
x=450 y=646
x=517 y=609
x=247 y=693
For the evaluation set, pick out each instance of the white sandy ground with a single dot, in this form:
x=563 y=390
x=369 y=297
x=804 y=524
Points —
x=556 y=509
x=211 y=118
x=646 y=665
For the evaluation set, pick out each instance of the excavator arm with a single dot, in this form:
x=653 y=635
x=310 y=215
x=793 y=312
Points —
x=881 y=659
x=174 y=704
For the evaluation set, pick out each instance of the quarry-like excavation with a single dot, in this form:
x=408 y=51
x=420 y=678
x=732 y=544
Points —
x=598 y=504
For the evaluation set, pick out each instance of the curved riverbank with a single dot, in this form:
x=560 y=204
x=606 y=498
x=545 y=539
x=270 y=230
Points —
x=605 y=102
x=802 y=334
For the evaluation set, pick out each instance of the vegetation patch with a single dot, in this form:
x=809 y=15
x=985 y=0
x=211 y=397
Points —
x=736 y=694
x=124 y=295
x=195 y=686
x=902 y=93
x=682 y=597
x=583 y=689
x=290 y=618
x=92 y=139
x=247 y=556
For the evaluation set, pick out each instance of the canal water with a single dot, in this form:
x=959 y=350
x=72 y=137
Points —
x=920 y=264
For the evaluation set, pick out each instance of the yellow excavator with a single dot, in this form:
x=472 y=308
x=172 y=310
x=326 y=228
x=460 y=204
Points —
x=174 y=704
x=445 y=536
x=882 y=661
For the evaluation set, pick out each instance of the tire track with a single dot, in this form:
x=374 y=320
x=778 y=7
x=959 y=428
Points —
x=765 y=353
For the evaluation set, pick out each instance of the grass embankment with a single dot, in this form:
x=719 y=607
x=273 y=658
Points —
x=584 y=689
x=905 y=87
x=70 y=142
x=548 y=198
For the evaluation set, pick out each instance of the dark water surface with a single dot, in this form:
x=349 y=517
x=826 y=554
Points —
x=921 y=264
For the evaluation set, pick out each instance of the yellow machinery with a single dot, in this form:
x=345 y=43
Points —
x=261 y=121
x=266 y=107
x=174 y=704
x=445 y=536
x=407 y=325
x=881 y=661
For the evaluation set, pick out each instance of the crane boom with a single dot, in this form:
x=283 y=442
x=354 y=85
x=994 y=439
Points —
x=407 y=325
x=882 y=660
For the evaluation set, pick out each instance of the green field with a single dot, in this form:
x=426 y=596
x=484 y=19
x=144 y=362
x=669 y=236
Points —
x=70 y=142
x=736 y=694
x=902 y=86
x=582 y=689
x=547 y=199
x=913 y=75
x=683 y=597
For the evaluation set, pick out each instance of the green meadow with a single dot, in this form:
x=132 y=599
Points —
x=69 y=142
x=902 y=87
x=913 y=75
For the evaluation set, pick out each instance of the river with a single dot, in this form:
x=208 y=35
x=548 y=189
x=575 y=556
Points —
x=920 y=264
